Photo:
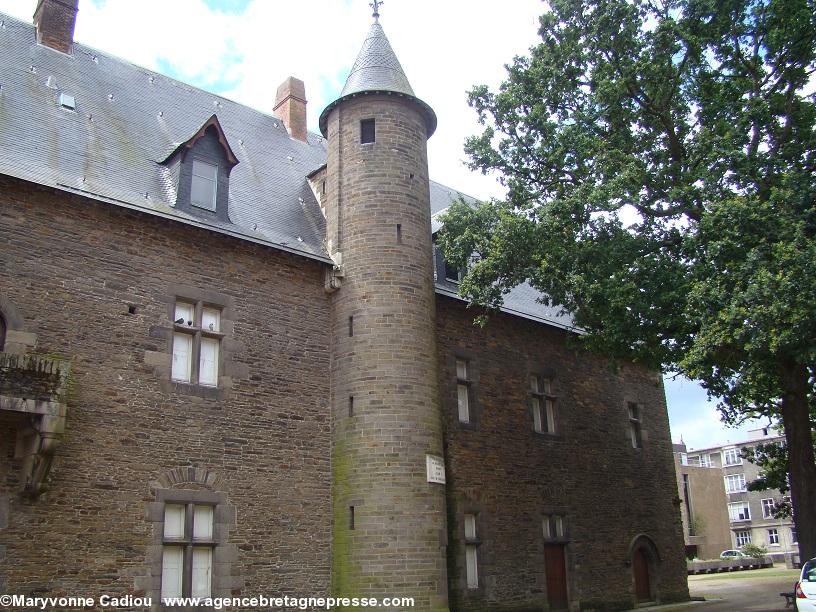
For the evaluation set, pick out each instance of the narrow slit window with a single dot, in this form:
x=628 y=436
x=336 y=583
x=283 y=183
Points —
x=367 y=131
x=635 y=433
x=351 y=326
x=399 y=233
x=351 y=405
x=351 y=517
x=543 y=404
x=471 y=552
x=463 y=390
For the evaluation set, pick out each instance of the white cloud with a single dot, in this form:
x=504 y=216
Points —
x=444 y=47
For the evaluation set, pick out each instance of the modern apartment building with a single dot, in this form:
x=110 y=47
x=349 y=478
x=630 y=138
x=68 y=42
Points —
x=708 y=511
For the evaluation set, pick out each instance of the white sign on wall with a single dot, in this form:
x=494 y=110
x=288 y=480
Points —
x=436 y=468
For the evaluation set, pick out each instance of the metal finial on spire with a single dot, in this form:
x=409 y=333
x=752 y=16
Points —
x=376 y=4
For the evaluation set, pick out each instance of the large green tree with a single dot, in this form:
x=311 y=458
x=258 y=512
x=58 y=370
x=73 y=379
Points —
x=660 y=161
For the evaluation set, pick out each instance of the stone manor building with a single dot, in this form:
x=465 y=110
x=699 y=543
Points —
x=232 y=362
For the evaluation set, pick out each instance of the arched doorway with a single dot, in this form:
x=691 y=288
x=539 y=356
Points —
x=642 y=576
x=644 y=560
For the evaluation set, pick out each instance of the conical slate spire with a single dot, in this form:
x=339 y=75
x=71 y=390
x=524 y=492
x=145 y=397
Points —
x=377 y=70
x=377 y=67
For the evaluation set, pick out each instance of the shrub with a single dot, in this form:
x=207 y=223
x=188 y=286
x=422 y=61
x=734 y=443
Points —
x=755 y=551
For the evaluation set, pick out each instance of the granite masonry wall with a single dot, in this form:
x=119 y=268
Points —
x=385 y=402
x=610 y=495
x=96 y=284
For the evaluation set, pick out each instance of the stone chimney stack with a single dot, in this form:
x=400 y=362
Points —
x=55 y=21
x=290 y=107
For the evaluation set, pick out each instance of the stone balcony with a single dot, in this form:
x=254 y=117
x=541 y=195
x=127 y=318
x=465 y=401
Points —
x=33 y=390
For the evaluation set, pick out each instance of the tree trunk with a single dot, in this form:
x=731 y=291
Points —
x=796 y=420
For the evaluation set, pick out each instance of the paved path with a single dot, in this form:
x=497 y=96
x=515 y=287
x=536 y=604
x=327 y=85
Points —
x=748 y=591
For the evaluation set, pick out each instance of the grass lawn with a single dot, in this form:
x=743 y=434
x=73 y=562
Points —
x=768 y=572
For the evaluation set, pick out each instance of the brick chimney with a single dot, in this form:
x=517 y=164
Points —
x=55 y=20
x=290 y=107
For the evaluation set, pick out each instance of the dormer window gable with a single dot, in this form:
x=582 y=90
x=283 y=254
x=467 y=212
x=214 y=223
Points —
x=200 y=169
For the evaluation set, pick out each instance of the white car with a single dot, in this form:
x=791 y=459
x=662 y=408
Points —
x=732 y=554
x=805 y=593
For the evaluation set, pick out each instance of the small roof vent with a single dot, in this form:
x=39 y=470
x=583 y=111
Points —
x=67 y=101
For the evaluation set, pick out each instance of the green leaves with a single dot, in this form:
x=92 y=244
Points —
x=660 y=160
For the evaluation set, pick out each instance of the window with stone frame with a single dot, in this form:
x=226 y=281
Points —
x=553 y=528
x=471 y=551
x=735 y=483
x=187 y=550
x=635 y=430
x=368 y=133
x=196 y=343
x=463 y=390
x=768 y=507
x=739 y=511
x=742 y=537
x=731 y=456
x=190 y=553
x=542 y=401
x=773 y=537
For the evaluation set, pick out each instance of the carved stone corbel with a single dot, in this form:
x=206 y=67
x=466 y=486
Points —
x=35 y=387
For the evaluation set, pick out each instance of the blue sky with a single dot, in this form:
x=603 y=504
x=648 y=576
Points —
x=242 y=49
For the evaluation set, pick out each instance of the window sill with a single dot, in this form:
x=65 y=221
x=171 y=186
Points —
x=551 y=435
x=191 y=329
x=202 y=391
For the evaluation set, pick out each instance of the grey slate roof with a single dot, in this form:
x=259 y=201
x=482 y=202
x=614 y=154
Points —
x=377 y=67
x=129 y=119
x=377 y=70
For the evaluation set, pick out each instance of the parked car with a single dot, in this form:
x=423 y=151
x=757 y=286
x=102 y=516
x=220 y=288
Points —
x=732 y=554
x=805 y=590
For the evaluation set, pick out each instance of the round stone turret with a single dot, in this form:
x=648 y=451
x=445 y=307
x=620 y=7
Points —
x=389 y=521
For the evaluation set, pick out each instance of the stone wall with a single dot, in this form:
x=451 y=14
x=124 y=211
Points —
x=385 y=401
x=609 y=493
x=96 y=284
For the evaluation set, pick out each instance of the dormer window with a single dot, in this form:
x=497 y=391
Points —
x=204 y=185
x=199 y=169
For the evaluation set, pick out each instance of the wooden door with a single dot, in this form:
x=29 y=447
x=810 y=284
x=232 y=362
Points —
x=640 y=567
x=556 y=571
